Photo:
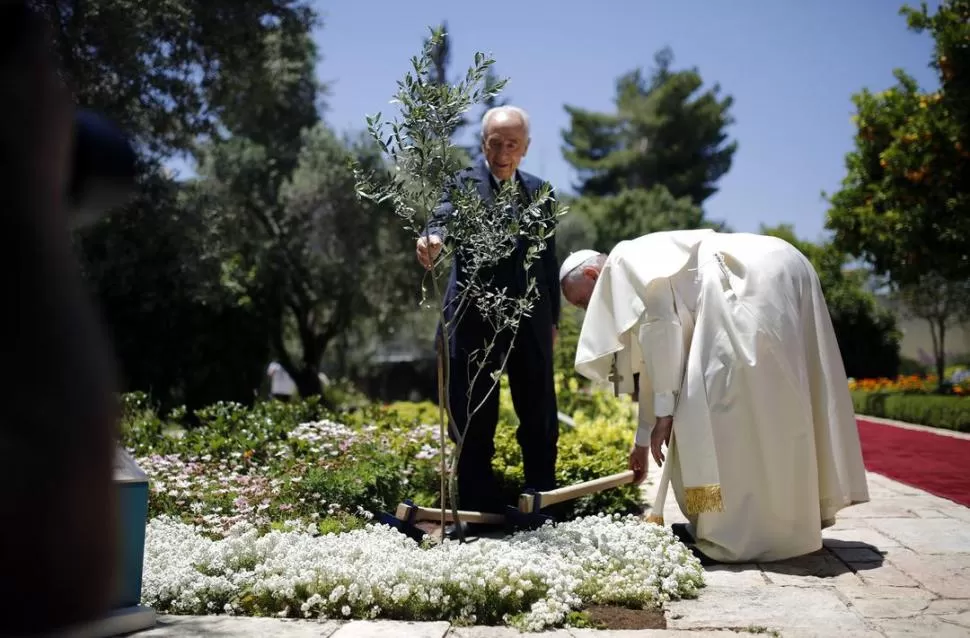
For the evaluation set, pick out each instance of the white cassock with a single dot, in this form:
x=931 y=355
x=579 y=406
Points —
x=731 y=335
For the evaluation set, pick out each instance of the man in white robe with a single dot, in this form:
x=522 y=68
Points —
x=740 y=375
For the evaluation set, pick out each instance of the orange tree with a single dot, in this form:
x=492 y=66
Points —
x=904 y=205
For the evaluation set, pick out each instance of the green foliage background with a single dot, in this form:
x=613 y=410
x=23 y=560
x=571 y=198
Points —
x=202 y=282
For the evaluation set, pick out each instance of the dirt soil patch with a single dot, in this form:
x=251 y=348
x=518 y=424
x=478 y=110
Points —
x=606 y=617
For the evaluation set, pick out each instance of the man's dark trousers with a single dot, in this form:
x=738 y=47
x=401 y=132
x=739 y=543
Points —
x=530 y=372
x=529 y=366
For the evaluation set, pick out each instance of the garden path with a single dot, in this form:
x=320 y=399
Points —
x=897 y=566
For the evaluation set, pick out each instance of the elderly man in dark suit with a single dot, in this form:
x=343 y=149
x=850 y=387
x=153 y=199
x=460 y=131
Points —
x=505 y=140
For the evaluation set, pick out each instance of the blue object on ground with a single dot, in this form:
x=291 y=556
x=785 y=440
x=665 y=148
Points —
x=132 y=485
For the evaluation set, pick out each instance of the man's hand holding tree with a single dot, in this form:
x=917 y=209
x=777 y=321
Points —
x=428 y=249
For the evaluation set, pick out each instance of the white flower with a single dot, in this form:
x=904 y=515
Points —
x=532 y=579
x=426 y=452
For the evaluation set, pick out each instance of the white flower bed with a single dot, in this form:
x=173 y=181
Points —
x=531 y=580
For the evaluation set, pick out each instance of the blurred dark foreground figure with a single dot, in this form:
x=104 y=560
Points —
x=58 y=413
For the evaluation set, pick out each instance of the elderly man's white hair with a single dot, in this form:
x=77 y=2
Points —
x=492 y=112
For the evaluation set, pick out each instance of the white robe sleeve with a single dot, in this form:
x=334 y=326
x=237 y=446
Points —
x=645 y=420
x=662 y=344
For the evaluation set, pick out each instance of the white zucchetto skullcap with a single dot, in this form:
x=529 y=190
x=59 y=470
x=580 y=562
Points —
x=574 y=260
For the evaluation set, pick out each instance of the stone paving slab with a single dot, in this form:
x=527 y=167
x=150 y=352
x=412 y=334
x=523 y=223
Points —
x=392 y=629
x=502 y=632
x=224 y=627
x=652 y=633
x=898 y=566
x=231 y=627
x=771 y=607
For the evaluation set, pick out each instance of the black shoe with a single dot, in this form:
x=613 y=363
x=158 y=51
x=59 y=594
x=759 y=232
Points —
x=451 y=532
x=680 y=531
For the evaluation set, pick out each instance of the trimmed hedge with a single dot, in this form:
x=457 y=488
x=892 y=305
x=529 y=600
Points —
x=946 y=412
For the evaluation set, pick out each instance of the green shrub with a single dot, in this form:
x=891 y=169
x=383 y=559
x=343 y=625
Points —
x=947 y=412
x=598 y=445
x=416 y=412
x=564 y=356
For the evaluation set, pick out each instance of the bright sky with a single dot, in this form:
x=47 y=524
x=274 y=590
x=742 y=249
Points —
x=791 y=66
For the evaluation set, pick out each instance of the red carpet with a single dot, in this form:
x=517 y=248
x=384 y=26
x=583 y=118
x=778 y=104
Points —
x=931 y=462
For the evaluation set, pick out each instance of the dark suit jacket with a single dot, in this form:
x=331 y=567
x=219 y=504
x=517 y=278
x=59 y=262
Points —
x=510 y=272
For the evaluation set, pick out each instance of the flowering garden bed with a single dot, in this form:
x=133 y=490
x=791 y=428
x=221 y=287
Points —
x=532 y=579
x=266 y=511
x=914 y=399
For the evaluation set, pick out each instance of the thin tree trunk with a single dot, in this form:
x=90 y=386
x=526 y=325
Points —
x=442 y=416
x=941 y=355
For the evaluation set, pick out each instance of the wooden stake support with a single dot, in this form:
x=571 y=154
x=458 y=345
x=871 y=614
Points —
x=528 y=515
x=413 y=512
x=532 y=502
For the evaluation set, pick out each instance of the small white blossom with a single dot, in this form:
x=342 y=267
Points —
x=532 y=579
